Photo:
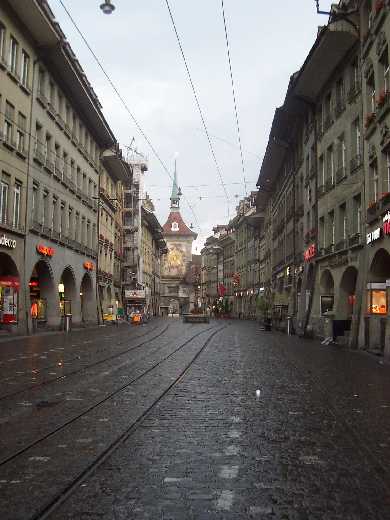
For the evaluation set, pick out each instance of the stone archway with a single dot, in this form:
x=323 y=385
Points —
x=69 y=295
x=44 y=293
x=87 y=299
x=326 y=292
x=346 y=299
x=9 y=293
x=380 y=267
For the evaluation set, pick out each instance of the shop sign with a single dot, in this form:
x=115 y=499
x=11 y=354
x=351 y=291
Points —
x=45 y=250
x=135 y=294
x=309 y=253
x=386 y=224
x=88 y=266
x=7 y=242
x=374 y=235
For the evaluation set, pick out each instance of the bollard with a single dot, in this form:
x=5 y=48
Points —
x=68 y=322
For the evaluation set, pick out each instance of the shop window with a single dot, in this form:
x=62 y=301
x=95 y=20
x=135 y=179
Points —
x=327 y=302
x=9 y=287
x=377 y=301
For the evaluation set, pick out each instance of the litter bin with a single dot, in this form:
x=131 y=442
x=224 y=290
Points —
x=68 y=322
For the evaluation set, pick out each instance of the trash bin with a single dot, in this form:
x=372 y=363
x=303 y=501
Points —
x=68 y=322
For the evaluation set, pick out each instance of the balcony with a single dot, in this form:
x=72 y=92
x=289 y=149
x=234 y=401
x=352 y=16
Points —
x=342 y=244
x=49 y=163
x=42 y=99
x=51 y=111
x=355 y=163
x=355 y=240
x=330 y=184
x=340 y=174
x=329 y=249
x=339 y=108
x=59 y=168
x=9 y=142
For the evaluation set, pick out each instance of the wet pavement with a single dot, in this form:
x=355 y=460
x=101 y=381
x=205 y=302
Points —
x=184 y=421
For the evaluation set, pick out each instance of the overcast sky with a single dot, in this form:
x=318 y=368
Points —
x=137 y=46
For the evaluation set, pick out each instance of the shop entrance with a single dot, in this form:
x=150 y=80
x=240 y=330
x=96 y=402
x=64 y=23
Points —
x=87 y=299
x=377 y=300
x=67 y=292
x=42 y=294
x=327 y=292
x=9 y=292
x=347 y=296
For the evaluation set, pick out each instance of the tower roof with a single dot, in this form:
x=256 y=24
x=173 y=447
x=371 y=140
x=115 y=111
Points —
x=176 y=227
x=175 y=195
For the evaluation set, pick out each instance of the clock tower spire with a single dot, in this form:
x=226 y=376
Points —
x=176 y=193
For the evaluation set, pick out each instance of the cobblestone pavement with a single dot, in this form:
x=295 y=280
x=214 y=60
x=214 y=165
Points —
x=260 y=426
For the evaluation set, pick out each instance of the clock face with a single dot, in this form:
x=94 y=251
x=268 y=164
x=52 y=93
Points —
x=175 y=258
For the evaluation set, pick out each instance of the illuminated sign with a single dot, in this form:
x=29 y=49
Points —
x=309 y=253
x=374 y=235
x=135 y=294
x=7 y=242
x=386 y=224
x=88 y=266
x=45 y=250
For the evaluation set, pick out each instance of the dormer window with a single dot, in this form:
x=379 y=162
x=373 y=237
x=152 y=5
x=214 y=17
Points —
x=175 y=226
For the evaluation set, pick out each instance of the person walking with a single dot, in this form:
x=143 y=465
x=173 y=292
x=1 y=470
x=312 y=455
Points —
x=34 y=315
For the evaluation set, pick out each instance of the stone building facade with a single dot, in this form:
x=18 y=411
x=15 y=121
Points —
x=53 y=137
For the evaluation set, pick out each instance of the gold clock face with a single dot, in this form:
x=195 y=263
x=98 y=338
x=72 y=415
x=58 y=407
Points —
x=175 y=258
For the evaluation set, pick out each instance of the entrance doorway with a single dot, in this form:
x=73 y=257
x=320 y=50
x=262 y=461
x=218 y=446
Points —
x=9 y=292
x=67 y=291
x=42 y=294
x=88 y=311
x=347 y=297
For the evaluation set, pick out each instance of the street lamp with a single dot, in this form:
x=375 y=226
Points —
x=107 y=7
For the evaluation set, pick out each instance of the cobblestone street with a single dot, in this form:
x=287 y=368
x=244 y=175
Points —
x=179 y=421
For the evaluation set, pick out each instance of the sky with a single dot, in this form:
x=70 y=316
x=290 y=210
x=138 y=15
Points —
x=138 y=49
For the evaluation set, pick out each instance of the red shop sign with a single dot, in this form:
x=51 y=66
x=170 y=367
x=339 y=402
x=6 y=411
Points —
x=88 y=266
x=309 y=253
x=45 y=250
x=10 y=281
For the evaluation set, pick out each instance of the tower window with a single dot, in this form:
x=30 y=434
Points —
x=175 y=226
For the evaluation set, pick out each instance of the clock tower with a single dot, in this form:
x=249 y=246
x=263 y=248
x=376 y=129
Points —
x=176 y=293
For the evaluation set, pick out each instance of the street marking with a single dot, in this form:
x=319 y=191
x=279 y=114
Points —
x=168 y=480
x=228 y=472
x=39 y=459
x=84 y=441
x=234 y=434
x=225 y=500
x=236 y=419
x=232 y=450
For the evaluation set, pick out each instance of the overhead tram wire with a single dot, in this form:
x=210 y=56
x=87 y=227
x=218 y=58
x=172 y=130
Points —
x=198 y=105
x=120 y=97
x=234 y=95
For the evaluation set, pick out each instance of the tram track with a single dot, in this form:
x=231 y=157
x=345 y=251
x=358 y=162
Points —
x=86 y=367
x=55 y=503
x=102 y=401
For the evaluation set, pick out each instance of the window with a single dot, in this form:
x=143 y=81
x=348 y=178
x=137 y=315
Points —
x=385 y=72
x=354 y=78
x=20 y=133
x=374 y=182
x=175 y=226
x=60 y=104
x=356 y=137
x=341 y=150
x=343 y=222
x=38 y=138
x=77 y=227
x=54 y=215
x=330 y=165
x=327 y=303
x=52 y=93
x=70 y=222
x=386 y=187
x=2 y=41
x=41 y=82
x=48 y=150
x=331 y=228
x=25 y=69
x=322 y=178
x=322 y=237
x=34 y=202
x=16 y=214
x=62 y=218
x=9 y=122
x=377 y=301
x=371 y=93
x=45 y=208
x=3 y=202
x=357 y=214
x=340 y=93
x=13 y=55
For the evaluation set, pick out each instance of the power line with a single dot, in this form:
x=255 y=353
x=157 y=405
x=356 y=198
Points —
x=198 y=104
x=139 y=128
x=233 y=93
x=231 y=144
